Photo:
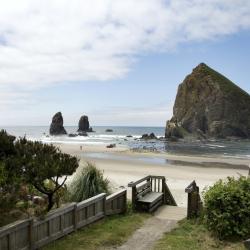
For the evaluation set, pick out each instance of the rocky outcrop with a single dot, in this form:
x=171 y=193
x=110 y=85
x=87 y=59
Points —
x=56 y=126
x=83 y=125
x=209 y=105
x=149 y=137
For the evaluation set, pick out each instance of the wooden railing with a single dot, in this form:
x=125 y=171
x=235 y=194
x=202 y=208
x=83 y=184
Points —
x=116 y=203
x=35 y=233
x=194 y=201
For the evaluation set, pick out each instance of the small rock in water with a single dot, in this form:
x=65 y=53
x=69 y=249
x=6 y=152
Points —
x=82 y=133
x=111 y=146
x=109 y=130
x=129 y=136
x=73 y=135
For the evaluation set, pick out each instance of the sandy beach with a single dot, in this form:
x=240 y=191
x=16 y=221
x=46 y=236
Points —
x=121 y=166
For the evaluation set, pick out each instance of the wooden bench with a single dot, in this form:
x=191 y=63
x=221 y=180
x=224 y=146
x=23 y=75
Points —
x=150 y=192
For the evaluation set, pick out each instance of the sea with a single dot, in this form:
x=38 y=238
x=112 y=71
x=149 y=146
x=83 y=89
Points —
x=130 y=137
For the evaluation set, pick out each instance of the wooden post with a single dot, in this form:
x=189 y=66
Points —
x=194 y=202
x=134 y=198
x=104 y=205
x=164 y=190
x=125 y=202
x=75 y=217
x=31 y=237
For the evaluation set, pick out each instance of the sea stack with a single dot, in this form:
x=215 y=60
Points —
x=83 y=125
x=56 y=127
x=208 y=105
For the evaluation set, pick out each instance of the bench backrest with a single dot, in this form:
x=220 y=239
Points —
x=143 y=189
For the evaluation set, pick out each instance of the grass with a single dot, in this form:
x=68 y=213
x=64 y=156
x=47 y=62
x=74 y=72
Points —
x=228 y=86
x=110 y=232
x=190 y=235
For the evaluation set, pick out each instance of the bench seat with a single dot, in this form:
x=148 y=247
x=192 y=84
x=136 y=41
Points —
x=151 y=197
x=150 y=202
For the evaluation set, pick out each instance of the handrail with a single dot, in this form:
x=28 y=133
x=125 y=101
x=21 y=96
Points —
x=132 y=184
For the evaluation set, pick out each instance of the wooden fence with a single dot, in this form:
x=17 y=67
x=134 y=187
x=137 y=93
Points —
x=35 y=233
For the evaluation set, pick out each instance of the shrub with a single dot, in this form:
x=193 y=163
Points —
x=88 y=183
x=227 y=208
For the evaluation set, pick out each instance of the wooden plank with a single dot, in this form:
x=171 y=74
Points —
x=150 y=197
x=143 y=186
x=116 y=194
x=155 y=206
x=133 y=184
x=144 y=192
x=91 y=200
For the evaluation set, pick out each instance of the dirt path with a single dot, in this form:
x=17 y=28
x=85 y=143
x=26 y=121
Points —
x=164 y=220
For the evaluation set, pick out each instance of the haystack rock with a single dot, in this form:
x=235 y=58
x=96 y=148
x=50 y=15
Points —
x=83 y=125
x=56 y=127
x=208 y=105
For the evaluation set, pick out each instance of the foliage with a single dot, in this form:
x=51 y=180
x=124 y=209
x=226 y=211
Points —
x=6 y=144
x=227 y=207
x=88 y=183
x=41 y=163
x=193 y=235
x=10 y=180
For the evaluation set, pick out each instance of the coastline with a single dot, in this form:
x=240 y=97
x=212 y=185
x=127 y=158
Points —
x=121 y=166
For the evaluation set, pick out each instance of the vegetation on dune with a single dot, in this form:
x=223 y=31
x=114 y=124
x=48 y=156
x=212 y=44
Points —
x=227 y=208
x=193 y=235
x=228 y=86
x=88 y=183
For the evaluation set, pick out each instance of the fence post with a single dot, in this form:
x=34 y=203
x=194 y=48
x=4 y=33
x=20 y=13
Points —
x=164 y=190
x=133 y=197
x=104 y=205
x=75 y=217
x=194 y=202
x=247 y=244
x=31 y=237
x=125 y=202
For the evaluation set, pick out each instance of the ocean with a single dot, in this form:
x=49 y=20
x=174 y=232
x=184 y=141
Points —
x=119 y=136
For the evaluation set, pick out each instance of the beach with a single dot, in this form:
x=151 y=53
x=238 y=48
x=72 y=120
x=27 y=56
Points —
x=122 y=165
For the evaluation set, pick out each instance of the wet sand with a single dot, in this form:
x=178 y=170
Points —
x=122 y=166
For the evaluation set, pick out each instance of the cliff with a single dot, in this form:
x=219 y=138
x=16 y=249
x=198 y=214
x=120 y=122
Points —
x=209 y=105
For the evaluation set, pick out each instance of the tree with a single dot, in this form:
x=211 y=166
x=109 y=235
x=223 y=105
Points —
x=42 y=163
x=10 y=179
x=7 y=147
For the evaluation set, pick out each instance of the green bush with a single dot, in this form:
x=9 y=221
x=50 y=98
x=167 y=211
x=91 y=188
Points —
x=227 y=208
x=88 y=183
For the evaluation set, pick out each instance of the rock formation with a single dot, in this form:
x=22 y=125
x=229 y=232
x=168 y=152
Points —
x=209 y=105
x=149 y=137
x=83 y=125
x=56 y=126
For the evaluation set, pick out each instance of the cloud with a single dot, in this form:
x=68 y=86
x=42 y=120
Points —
x=44 y=43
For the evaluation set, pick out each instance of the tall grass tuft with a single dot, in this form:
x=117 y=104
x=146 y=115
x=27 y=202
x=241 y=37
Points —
x=88 y=183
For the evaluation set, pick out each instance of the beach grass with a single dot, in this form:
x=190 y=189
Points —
x=107 y=233
x=192 y=235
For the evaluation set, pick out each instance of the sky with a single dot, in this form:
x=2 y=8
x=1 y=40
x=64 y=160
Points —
x=119 y=62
